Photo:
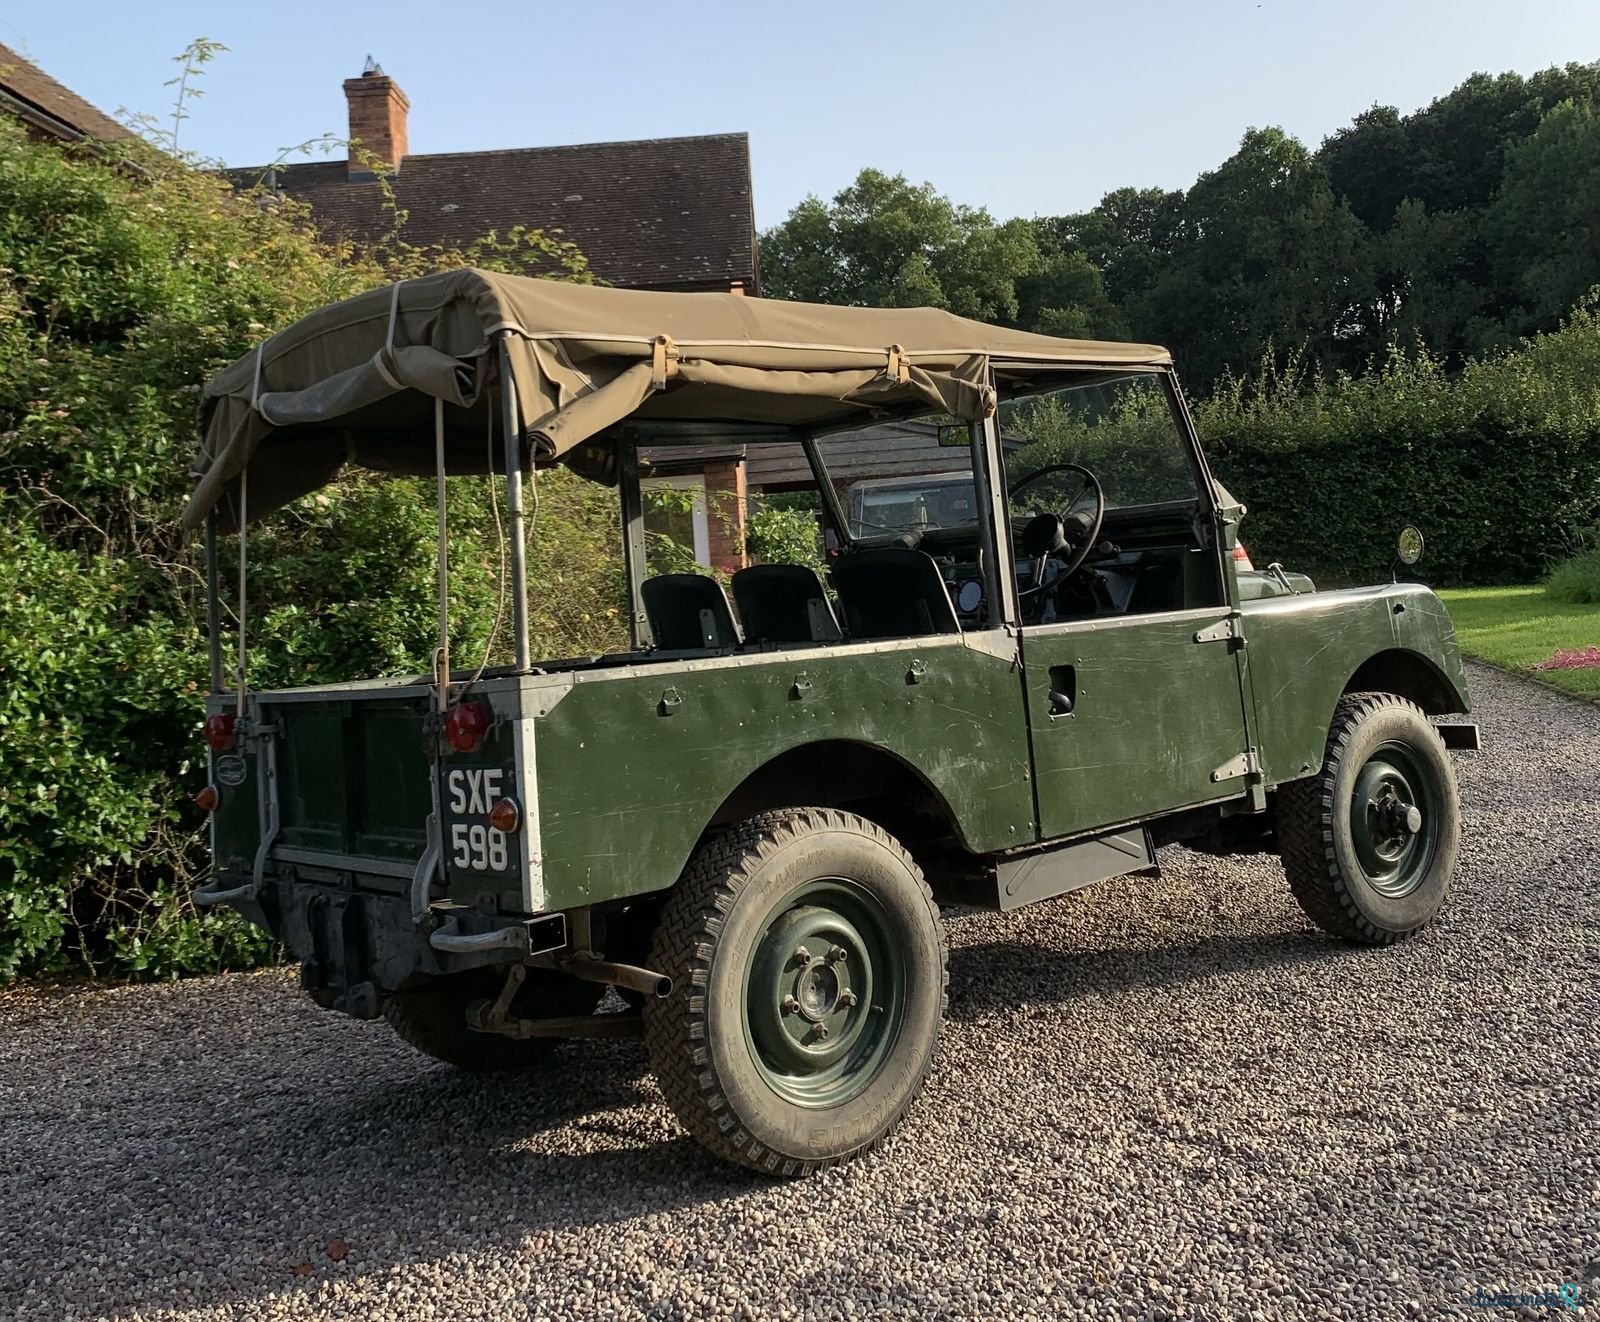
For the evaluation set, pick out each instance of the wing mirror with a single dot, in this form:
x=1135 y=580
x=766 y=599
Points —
x=1407 y=550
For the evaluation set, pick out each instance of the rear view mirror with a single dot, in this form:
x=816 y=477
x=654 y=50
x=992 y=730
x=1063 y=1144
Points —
x=1408 y=546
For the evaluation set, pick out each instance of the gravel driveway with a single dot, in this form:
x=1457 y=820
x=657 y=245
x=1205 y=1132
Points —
x=1157 y=1099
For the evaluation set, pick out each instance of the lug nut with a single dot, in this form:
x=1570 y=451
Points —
x=821 y=1031
x=847 y=998
x=837 y=955
x=803 y=954
x=790 y=1005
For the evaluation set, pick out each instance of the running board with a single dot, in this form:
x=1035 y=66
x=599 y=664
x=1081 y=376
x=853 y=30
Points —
x=1010 y=883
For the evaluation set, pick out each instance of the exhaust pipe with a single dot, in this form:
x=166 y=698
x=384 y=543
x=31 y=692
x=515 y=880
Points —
x=646 y=982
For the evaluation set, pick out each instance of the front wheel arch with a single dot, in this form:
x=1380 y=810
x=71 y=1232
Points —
x=1409 y=675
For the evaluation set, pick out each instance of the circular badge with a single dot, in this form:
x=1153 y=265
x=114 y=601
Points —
x=230 y=770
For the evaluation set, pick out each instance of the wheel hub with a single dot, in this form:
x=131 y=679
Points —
x=1389 y=823
x=816 y=1014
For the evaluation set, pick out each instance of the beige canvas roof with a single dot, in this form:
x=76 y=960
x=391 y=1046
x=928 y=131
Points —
x=356 y=382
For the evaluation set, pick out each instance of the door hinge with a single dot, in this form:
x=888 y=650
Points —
x=1225 y=630
x=1246 y=764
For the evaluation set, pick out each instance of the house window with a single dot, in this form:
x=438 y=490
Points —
x=677 y=535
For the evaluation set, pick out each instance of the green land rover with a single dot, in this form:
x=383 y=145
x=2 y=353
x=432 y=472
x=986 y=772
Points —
x=746 y=820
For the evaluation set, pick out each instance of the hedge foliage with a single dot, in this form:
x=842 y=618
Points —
x=1499 y=465
x=126 y=282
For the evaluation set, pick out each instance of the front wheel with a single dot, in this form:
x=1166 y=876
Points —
x=809 y=985
x=1370 y=842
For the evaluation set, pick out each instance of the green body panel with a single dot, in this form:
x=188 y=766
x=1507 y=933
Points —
x=1302 y=651
x=633 y=763
x=619 y=769
x=1154 y=713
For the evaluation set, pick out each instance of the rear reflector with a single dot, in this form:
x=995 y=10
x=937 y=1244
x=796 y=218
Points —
x=208 y=799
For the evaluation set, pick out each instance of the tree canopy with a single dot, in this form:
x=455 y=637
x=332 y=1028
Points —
x=1464 y=226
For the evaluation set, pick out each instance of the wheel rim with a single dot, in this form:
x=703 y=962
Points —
x=824 y=994
x=1394 y=820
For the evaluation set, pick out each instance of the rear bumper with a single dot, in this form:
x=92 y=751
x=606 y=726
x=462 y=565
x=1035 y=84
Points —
x=356 y=946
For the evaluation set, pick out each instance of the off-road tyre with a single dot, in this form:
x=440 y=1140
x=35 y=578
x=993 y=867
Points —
x=1317 y=818
x=433 y=1019
x=716 y=934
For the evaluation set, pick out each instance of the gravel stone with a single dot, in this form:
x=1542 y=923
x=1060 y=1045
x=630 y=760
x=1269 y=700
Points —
x=1157 y=1099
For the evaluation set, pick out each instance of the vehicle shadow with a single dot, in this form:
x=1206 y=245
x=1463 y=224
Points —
x=996 y=975
x=470 y=1164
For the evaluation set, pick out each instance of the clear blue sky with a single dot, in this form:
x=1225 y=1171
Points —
x=1026 y=108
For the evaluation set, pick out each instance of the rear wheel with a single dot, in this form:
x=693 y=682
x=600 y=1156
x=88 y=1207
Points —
x=808 y=967
x=1370 y=842
x=433 y=1019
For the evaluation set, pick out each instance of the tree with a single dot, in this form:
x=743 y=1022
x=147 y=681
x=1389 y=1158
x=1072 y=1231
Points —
x=888 y=243
x=1268 y=259
x=1543 y=230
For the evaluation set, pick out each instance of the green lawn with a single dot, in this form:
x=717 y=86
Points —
x=1517 y=627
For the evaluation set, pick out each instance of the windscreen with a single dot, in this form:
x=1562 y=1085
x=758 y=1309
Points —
x=1123 y=430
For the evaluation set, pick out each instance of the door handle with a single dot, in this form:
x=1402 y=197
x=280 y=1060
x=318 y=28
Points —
x=1060 y=703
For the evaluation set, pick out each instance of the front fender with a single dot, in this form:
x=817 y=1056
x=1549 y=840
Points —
x=1303 y=652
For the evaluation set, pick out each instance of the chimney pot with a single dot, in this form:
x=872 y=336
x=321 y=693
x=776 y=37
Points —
x=378 y=111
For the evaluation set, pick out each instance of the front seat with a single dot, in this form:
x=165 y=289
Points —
x=688 y=613
x=784 y=604
x=893 y=592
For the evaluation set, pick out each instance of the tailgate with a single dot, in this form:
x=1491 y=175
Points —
x=353 y=780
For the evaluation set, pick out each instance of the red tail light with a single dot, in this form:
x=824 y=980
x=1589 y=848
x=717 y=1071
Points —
x=208 y=799
x=466 y=725
x=219 y=734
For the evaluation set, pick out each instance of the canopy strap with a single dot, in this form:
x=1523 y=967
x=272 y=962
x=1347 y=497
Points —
x=663 y=361
x=384 y=358
x=898 y=365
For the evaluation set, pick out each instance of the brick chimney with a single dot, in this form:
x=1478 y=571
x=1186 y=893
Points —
x=377 y=119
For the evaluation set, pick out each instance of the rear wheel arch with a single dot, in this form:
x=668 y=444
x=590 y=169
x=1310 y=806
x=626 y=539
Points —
x=865 y=779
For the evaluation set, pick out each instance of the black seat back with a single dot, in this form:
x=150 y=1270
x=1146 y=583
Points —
x=784 y=604
x=688 y=612
x=893 y=592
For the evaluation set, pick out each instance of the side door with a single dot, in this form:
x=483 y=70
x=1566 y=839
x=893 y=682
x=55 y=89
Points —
x=1132 y=717
x=1131 y=668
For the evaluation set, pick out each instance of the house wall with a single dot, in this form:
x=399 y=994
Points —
x=725 y=500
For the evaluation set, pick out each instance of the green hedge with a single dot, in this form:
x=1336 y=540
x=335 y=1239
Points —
x=124 y=283
x=1499 y=466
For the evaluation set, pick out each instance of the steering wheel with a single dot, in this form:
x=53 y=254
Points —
x=1049 y=534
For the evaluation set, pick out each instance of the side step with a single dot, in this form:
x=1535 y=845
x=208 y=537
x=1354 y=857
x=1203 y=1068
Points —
x=1011 y=882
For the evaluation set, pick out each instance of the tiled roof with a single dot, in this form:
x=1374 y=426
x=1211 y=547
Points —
x=53 y=106
x=666 y=213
